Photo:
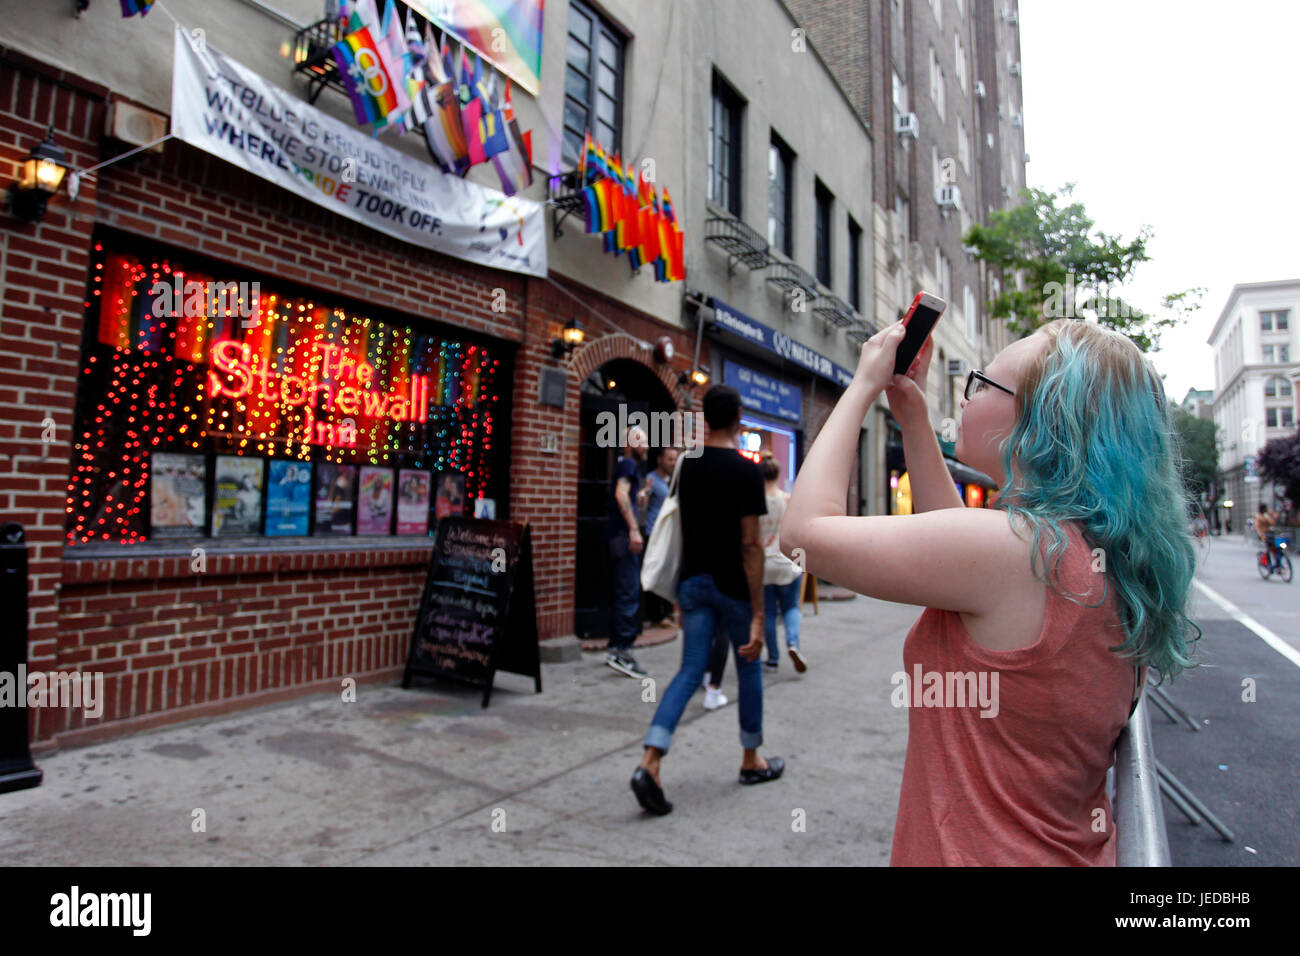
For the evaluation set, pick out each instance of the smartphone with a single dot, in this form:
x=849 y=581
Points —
x=919 y=322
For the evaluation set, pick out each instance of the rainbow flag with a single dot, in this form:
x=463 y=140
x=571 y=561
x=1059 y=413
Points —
x=131 y=7
x=374 y=80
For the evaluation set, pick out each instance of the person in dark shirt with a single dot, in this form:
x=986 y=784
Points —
x=720 y=495
x=623 y=536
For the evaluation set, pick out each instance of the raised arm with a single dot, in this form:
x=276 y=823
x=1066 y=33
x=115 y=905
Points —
x=932 y=486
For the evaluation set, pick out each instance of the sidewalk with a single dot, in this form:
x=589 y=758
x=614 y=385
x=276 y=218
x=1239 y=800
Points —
x=414 y=777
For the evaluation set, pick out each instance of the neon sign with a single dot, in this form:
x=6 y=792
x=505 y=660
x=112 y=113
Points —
x=336 y=381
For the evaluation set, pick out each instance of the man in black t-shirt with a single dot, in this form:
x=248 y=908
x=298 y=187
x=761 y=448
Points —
x=720 y=495
x=625 y=543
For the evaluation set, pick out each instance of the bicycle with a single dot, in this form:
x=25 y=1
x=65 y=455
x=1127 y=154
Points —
x=1267 y=566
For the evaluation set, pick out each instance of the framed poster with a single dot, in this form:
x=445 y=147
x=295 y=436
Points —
x=288 y=495
x=336 y=499
x=237 y=508
x=375 y=501
x=178 y=486
x=450 y=500
x=413 y=492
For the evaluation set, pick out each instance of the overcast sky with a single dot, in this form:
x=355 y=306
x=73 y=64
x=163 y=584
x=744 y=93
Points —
x=1181 y=115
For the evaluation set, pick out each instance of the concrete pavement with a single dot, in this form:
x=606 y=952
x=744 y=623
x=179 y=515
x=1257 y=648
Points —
x=425 y=776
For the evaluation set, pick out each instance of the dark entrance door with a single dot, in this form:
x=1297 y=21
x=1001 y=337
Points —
x=634 y=388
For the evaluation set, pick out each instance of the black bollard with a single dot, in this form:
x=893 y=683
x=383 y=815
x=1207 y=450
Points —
x=17 y=770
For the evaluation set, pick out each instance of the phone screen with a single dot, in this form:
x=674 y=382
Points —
x=920 y=320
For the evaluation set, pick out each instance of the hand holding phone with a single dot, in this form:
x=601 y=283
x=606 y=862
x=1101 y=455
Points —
x=919 y=322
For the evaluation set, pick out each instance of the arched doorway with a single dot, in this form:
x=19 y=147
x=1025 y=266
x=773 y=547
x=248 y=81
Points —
x=634 y=387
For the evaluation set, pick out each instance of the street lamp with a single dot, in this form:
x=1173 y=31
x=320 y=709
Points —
x=1227 y=504
x=42 y=175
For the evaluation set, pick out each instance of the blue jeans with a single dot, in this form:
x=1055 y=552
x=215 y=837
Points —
x=704 y=610
x=786 y=596
x=625 y=623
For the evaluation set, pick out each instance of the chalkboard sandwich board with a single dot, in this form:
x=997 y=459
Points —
x=478 y=614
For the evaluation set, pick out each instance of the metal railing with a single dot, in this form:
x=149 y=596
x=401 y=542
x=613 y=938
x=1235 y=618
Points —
x=1139 y=815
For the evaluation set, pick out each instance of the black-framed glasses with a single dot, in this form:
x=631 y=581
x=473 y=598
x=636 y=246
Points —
x=978 y=376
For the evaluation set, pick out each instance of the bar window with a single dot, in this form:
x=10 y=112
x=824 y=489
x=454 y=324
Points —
x=593 y=82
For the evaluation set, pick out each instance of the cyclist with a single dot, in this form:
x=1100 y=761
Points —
x=1264 y=522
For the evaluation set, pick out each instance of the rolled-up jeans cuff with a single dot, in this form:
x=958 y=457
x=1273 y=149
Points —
x=660 y=737
x=750 y=741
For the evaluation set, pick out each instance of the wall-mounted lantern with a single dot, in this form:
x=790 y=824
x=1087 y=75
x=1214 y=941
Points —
x=571 y=338
x=42 y=175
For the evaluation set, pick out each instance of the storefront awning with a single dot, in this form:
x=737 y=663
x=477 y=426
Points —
x=968 y=475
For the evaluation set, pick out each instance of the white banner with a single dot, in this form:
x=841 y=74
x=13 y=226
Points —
x=225 y=109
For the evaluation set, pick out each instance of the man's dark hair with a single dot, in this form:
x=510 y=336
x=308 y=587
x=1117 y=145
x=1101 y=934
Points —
x=1262 y=507
x=721 y=406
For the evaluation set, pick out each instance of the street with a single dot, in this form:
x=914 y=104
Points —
x=426 y=777
x=1244 y=764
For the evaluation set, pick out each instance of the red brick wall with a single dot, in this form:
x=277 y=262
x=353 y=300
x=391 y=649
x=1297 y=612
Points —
x=173 y=643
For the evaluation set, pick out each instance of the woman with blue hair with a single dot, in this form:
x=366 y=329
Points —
x=1042 y=611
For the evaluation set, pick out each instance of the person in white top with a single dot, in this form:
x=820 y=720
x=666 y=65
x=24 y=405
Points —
x=781 y=576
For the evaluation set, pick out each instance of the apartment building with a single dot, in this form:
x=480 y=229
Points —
x=938 y=82
x=1256 y=373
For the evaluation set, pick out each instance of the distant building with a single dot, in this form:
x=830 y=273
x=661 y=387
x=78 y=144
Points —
x=1255 y=346
x=1199 y=402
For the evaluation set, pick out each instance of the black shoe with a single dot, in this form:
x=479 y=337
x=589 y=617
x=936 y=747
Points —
x=775 y=765
x=649 y=794
x=771 y=665
x=624 y=664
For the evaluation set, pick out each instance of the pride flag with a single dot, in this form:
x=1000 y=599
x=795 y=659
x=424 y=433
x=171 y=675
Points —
x=373 y=79
x=131 y=7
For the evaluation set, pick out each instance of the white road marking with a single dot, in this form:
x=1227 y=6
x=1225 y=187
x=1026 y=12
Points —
x=1267 y=636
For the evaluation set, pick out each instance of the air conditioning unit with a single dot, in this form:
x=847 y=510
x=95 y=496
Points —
x=979 y=89
x=1002 y=113
x=1014 y=68
x=988 y=138
x=905 y=124
x=949 y=197
x=1010 y=15
x=1017 y=119
x=1026 y=158
x=1006 y=192
x=957 y=368
x=135 y=125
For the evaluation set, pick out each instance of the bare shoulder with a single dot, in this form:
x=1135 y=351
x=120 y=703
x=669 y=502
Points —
x=1015 y=619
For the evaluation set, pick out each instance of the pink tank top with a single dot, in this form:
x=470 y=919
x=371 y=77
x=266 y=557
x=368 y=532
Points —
x=1026 y=784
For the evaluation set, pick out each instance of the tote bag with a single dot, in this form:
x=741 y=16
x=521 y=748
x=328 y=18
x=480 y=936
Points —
x=661 y=564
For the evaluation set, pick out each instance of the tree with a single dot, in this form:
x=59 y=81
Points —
x=1200 y=464
x=1279 y=462
x=1066 y=271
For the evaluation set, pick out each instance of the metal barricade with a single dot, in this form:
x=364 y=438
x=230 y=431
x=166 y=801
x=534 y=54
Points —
x=1139 y=816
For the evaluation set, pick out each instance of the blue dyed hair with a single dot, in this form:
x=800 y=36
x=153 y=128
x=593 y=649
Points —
x=1095 y=443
